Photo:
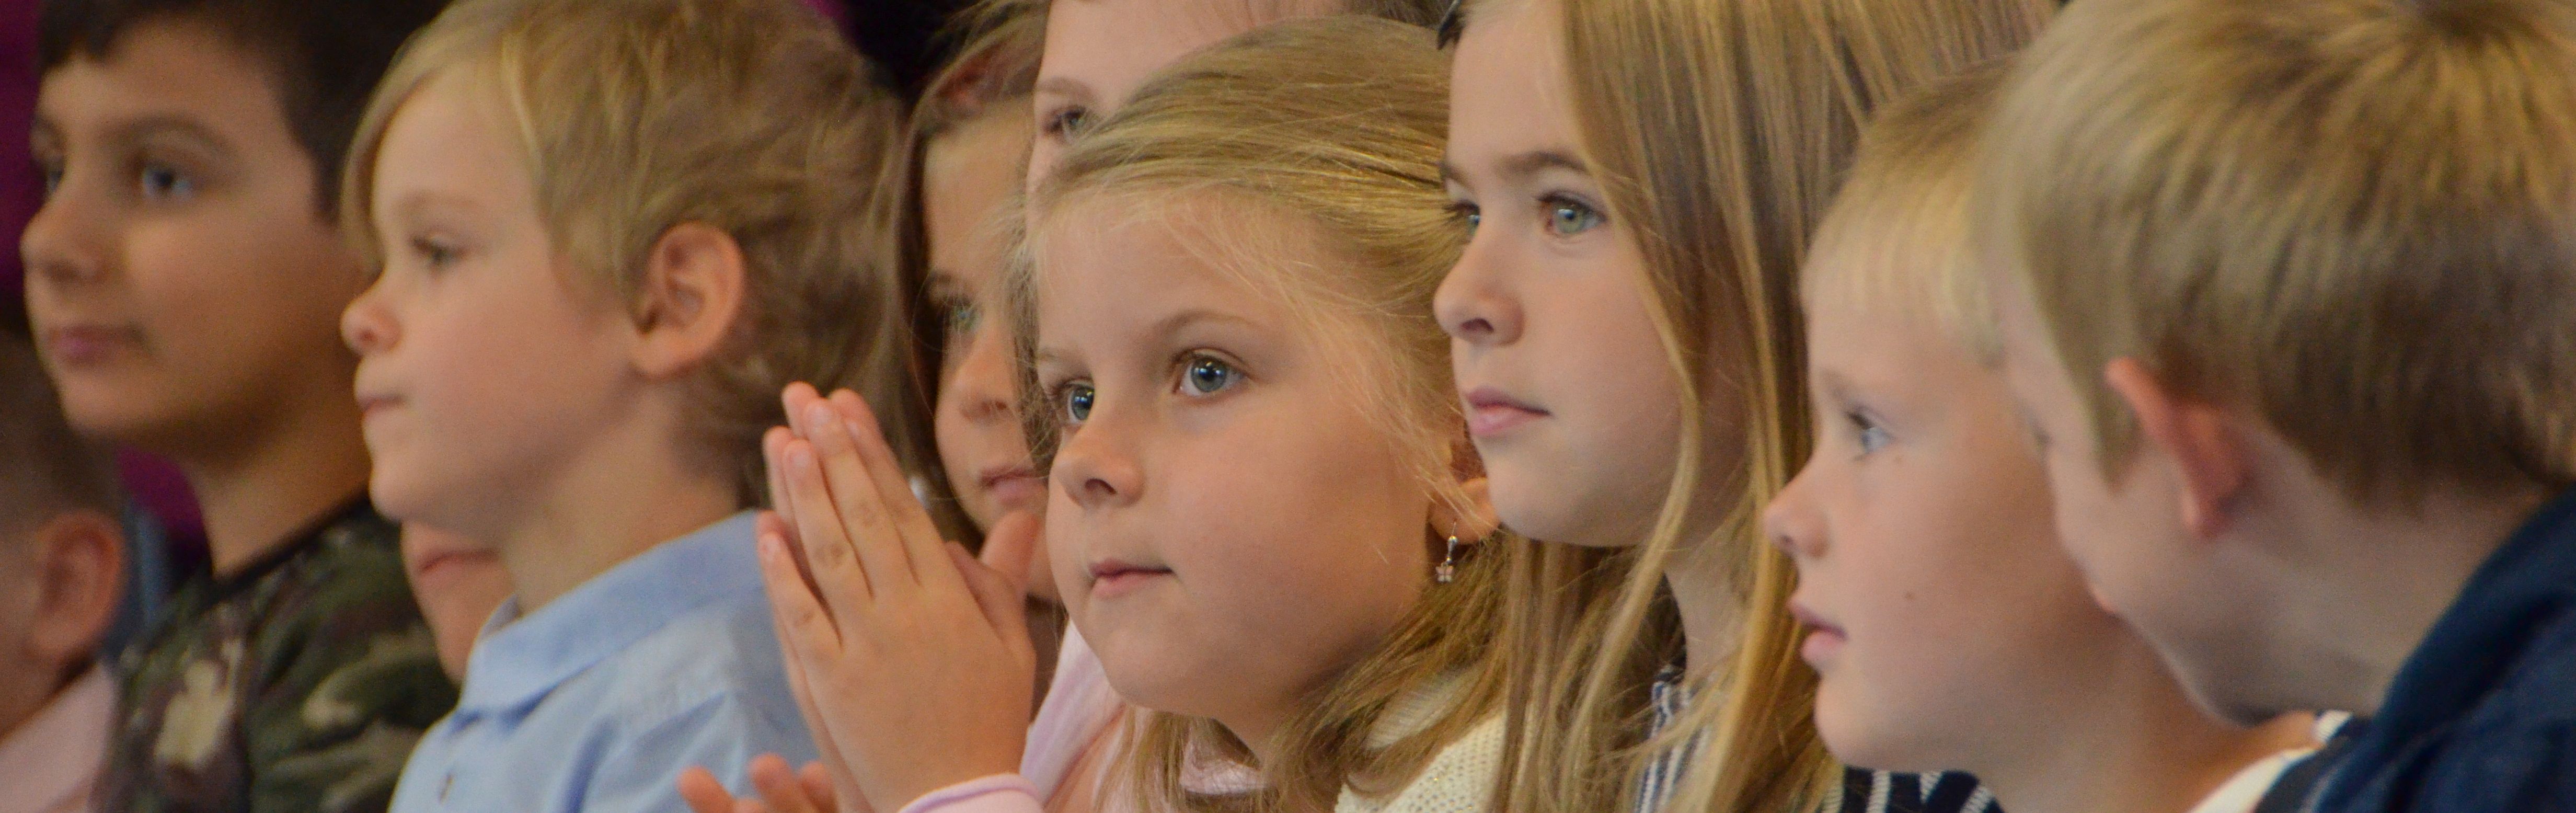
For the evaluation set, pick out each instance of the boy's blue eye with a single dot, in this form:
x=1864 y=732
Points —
x=162 y=181
x=1872 y=436
x=1078 y=399
x=1567 y=217
x=1208 y=376
x=53 y=173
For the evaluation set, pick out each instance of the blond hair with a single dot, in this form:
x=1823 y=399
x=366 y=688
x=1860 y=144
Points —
x=1416 y=12
x=1719 y=132
x=2349 y=216
x=636 y=116
x=1895 y=242
x=1324 y=132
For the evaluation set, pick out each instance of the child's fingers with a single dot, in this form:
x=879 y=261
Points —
x=921 y=537
x=769 y=523
x=779 y=786
x=845 y=581
x=1011 y=554
x=1003 y=603
x=818 y=785
x=806 y=631
x=773 y=455
x=814 y=722
x=864 y=511
x=703 y=793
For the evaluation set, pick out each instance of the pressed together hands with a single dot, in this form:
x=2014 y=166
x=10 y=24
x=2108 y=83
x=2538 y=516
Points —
x=909 y=657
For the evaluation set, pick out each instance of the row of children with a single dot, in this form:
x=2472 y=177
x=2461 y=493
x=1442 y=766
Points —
x=1508 y=404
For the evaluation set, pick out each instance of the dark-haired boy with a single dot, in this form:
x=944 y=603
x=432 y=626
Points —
x=185 y=278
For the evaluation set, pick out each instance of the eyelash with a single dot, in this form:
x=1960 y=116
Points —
x=1551 y=202
x=1063 y=123
x=433 y=253
x=1060 y=394
x=1863 y=425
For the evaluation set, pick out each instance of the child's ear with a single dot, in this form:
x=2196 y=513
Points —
x=694 y=284
x=81 y=570
x=2209 y=459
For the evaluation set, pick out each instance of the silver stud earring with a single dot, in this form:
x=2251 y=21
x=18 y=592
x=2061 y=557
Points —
x=1448 y=570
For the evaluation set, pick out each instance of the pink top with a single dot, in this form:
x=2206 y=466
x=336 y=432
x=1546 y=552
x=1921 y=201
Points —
x=51 y=762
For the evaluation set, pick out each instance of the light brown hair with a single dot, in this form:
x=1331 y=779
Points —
x=751 y=116
x=2355 y=218
x=992 y=74
x=1327 y=132
x=1896 y=240
x=1719 y=132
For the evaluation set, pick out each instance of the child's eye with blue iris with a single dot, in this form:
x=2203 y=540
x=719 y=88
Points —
x=1208 y=376
x=1078 y=399
x=162 y=181
x=1872 y=436
x=1567 y=217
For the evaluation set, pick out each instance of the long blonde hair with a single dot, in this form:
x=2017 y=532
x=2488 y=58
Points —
x=1719 y=132
x=1338 y=125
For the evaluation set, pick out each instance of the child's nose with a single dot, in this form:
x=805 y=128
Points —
x=367 y=327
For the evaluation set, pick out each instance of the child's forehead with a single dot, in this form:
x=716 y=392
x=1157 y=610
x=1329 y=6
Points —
x=169 y=75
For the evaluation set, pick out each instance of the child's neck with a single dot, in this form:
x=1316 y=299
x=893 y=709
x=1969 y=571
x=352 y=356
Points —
x=616 y=501
x=2355 y=612
x=1711 y=609
x=280 y=478
x=2132 y=742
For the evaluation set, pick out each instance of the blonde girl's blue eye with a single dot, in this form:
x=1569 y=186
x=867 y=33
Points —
x=1205 y=375
x=1077 y=399
x=1467 y=214
x=1567 y=217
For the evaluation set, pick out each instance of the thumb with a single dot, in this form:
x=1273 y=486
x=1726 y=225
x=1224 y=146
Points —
x=1004 y=604
x=1013 y=545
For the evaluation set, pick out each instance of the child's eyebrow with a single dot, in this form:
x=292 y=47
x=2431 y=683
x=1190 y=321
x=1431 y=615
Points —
x=1175 y=323
x=1065 y=86
x=1522 y=166
x=170 y=126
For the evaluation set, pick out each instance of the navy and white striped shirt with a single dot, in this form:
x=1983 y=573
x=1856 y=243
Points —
x=1863 y=791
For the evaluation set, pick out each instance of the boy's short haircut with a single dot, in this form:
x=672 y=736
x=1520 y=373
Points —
x=750 y=116
x=1896 y=240
x=323 y=56
x=45 y=467
x=2355 y=218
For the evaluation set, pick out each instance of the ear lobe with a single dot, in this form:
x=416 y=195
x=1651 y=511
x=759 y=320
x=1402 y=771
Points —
x=1479 y=520
x=2209 y=459
x=695 y=281
x=81 y=570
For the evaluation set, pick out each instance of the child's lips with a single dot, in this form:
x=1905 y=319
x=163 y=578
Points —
x=1824 y=639
x=1112 y=578
x=1492 y=412
x=85 y=345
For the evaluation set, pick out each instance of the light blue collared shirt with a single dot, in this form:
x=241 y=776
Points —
x=597 y=701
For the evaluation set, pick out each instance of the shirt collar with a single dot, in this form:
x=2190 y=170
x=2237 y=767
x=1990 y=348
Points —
x=2525 y=583
x=520 y=659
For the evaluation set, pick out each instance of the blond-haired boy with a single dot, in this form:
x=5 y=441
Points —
x=2287 y=288
x=609 y=234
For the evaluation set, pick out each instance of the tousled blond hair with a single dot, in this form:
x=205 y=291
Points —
x=1896 y=240
x=2356 y=218
x=1323 y=133
x=635 y=116
x=1719 y=132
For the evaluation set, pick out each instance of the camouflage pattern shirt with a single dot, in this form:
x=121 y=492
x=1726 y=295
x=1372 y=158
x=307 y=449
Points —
x=298 y=684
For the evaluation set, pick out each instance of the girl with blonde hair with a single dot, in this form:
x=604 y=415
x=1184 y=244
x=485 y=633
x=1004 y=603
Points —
x=1262 y=510
x=1644 y=178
